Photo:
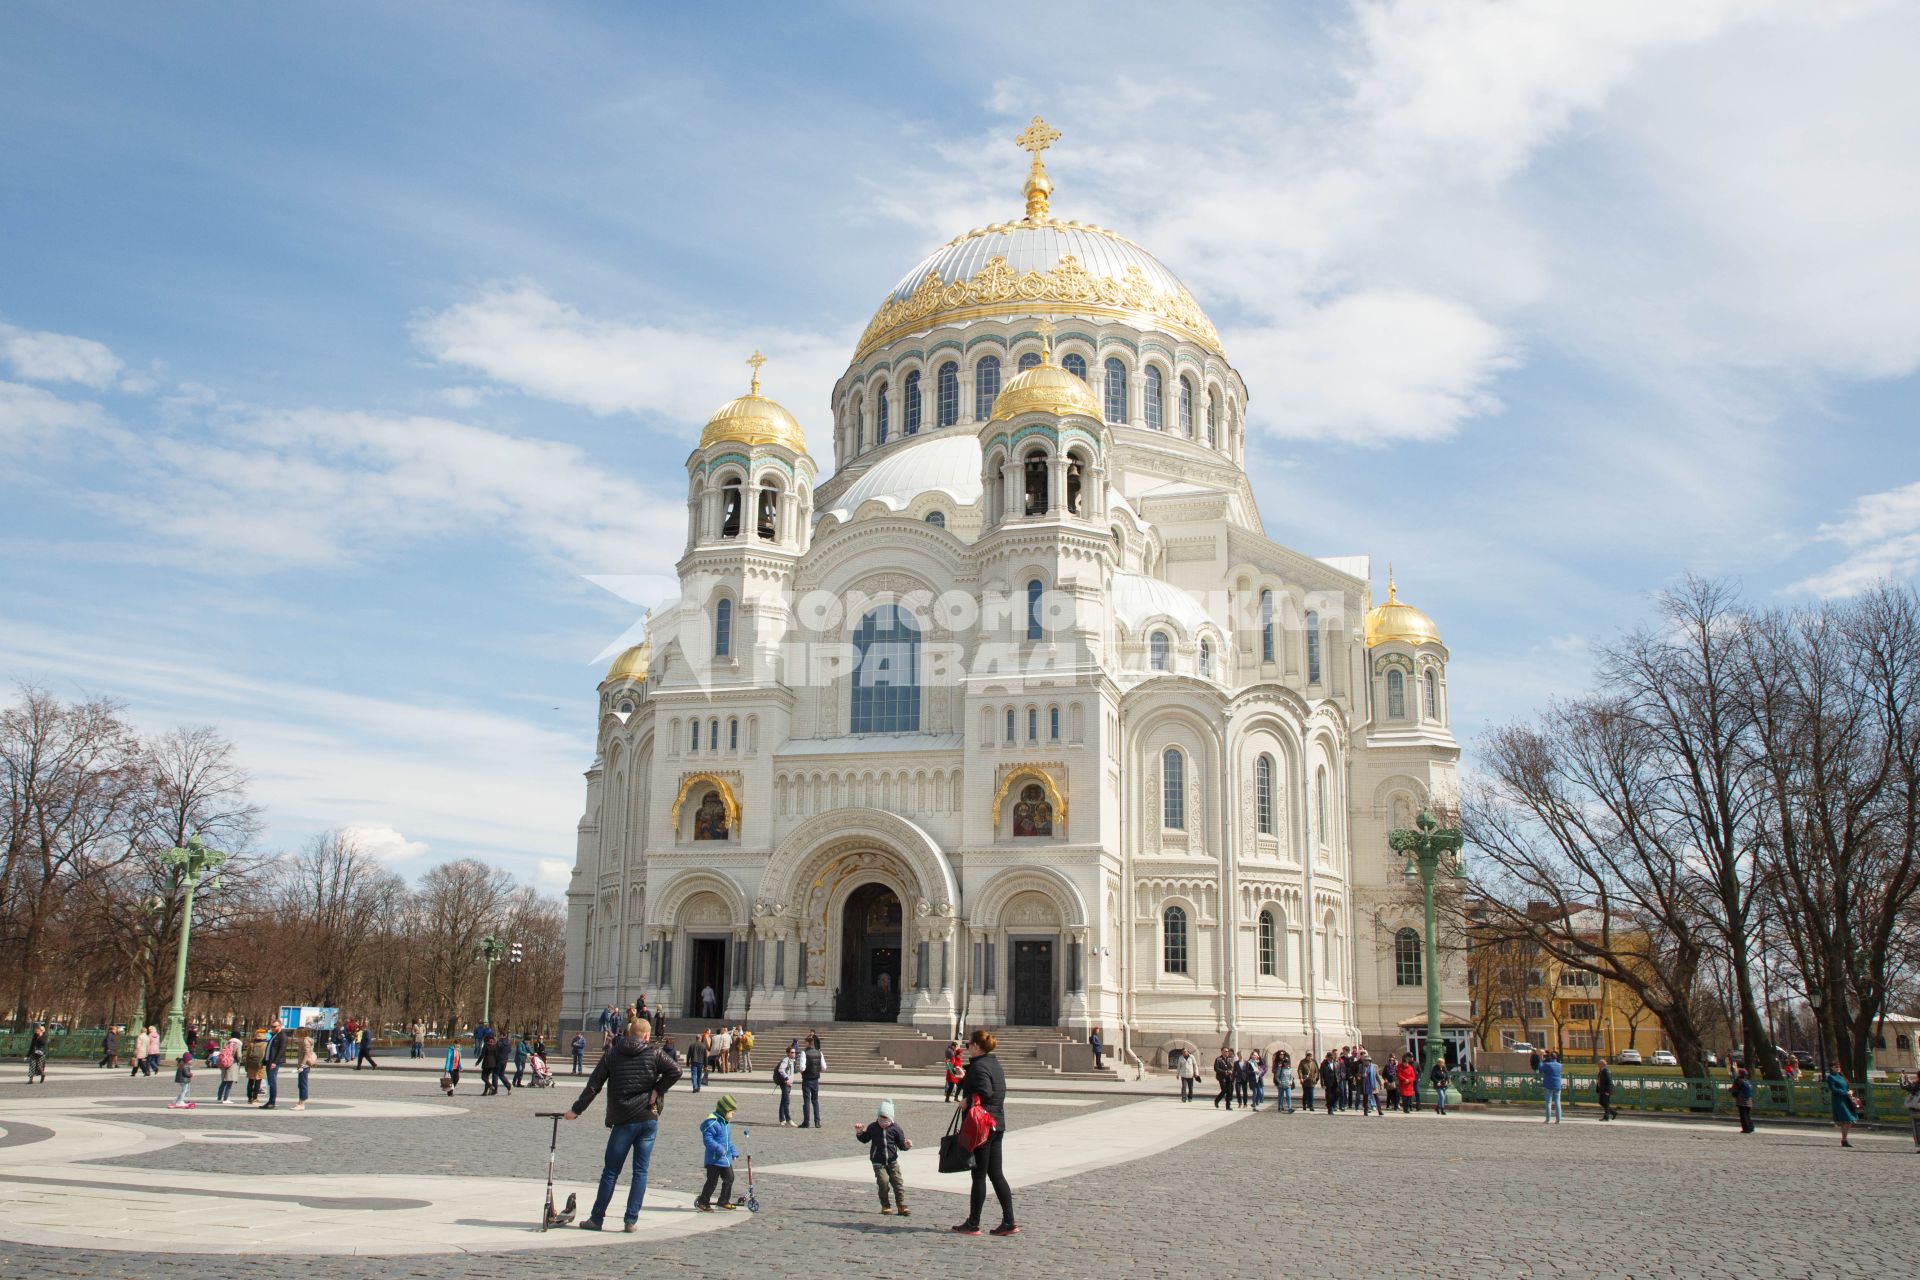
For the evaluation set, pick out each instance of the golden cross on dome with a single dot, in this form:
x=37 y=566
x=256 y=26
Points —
x=1037 y=138
x=756 y=360
x=1045 y=326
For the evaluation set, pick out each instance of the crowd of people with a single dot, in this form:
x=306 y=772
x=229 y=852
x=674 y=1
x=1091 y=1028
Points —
x=1347 y=1078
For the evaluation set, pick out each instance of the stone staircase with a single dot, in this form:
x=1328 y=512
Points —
x=862 y=1047
x=1019 y=1052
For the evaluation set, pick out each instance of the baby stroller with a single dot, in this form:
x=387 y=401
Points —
x=542 y=1074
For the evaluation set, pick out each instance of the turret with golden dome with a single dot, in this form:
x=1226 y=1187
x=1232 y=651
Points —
x=1045 y=388
x=1394 y=619
x=753 y=419
x=631 y=664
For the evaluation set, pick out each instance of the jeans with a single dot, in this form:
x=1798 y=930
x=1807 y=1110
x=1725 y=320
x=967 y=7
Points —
x=273 y=1084
x=579 y=1056
x=810 y=1101
x=1552 y=1101
x=695 y=1072
x=418 y=1051
x=987 y=1167
x=1225 y=1095
x=186 y=1087
x=225 y=1089
x=719 y=1175
x=1333 y=1098
x=1283 y=1095
x=636 y=1138
x=786 y=1102
x=519 y=1073
x=1259 y=1092
x=1186 y=1088
x=1306 y=1095
x=304 y=1072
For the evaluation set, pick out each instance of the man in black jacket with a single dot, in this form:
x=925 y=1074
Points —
x=276 y=1057
x=637 y=1077
x=1223 y=1076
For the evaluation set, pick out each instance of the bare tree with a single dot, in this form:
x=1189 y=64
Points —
x=459 y=903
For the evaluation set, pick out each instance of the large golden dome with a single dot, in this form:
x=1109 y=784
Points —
x=1396 y=620
x=631 y=664
x=1046 y=388
x=753 y=419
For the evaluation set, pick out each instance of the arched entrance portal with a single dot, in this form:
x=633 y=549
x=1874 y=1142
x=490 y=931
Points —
x=870 y=943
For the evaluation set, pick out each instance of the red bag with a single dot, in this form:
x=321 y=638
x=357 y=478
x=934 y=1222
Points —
x=976 y=1126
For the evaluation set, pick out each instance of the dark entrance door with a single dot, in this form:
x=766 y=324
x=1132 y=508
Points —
x=870 y=933
x=709 y=970
x=1033 y=984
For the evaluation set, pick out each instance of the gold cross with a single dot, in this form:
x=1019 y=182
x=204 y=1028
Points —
x=1045 y=326
x=756 y=360
x=1038 y=137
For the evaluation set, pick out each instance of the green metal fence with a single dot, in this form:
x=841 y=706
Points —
x=60 y=1044
x=1883 y=1102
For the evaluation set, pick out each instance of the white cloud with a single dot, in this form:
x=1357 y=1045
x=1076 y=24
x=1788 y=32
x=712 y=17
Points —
x=40 y=356
x=553 y=874
x=384 y=843
x=32 y=418
x=518 y=335
x=1881 y=535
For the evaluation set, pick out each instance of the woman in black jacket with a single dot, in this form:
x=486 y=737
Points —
x=984 y=1080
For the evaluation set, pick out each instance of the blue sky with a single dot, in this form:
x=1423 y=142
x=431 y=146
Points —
x=339 y=344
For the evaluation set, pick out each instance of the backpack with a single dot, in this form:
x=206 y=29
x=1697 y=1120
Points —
x=226 y=1055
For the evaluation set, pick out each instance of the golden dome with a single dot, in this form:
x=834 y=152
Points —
x=631 y=664
x=753 y=419
x=1395 y=620
x=1045 y=388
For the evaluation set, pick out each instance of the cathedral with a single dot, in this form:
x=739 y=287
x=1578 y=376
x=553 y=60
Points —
x=1017 y=717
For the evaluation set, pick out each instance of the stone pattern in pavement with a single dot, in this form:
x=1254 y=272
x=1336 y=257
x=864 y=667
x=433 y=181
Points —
x=1293 y=1195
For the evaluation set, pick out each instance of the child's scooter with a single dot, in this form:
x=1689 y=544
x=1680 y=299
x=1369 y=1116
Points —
x=752 y=1201
x=565 y=1216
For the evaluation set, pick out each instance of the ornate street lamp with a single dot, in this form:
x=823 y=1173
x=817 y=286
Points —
x=193 y=861
x=1425 y=844
x=491 y=949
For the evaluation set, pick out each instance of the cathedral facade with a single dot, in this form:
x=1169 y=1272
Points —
x=1018 y=717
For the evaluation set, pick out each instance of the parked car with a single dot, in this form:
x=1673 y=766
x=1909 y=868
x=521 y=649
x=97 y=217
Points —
x=1629 y=1058
x=1520 y=1046
x=1806 y=1059
x=1664 y=1058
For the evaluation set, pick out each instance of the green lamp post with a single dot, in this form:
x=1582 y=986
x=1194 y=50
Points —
x=491 y=949
x=1425 y=844
x=193 y=860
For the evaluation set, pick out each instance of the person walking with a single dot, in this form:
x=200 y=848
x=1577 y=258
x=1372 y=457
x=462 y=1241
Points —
x=987 y=1083
x=1223 y=1077
x=366 y=1050
x=1846 y=1106
x=37 y=1054
x=183 y=1076
x=718 y=1154
x=253 y=1061
x=885 y=1141
x=744 y=1039
x=1439 y=1078
x=784 y=1072
x=579 y=1047
x=1187 y=1069
x=110 y=1048
x=520 y=1051
x=1257 y=1063
x=1282 y=1082
x=1099 y=1047
x=637 y=1076
x=1603 y=1091
x=709 y=1006
x=1369 y=1087
x=1407 y=1074
x=304 y=1058
x=274 y=1056
x=954 y=1069
x=138 y=1053
x=1550 y=1081
x=228 y=1061
x=1330 y=1082
x=1242 y=1080
x=1742 y=1091
x=450 y=1069
x=697 y=1060
x=418 y=1048
x=493 y=1066
x=813 y=1065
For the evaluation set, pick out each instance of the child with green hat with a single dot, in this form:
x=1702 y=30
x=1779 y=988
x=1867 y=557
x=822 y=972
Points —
x=717 y=1137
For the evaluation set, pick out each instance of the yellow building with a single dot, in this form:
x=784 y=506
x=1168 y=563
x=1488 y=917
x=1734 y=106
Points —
x=1520 y=995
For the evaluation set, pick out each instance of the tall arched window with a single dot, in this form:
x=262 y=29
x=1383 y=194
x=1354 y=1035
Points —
x=1036 y=482
x=1028 y=360
x=696 y=736
x=1173 y=789
x=1173 y=940
x=880 y=415
x=1329 y=951
x=1396 y=695
x=1186 y=407
x=1266 y=626
x=1320 y=804
x=1313 y=648
x=730 y=509
x=733 y=734
x=1206 y=657
x=1053 y=723
x=1406 y=959
x=1009 y=725
x=1213 y=418
x=1157 y=650
x=1432 y=682
x=1076 y=364
x=1033 y=724
x=947 y=386
x=859 y=427
x=723 y=628
x=1155 y=393
x=1034 y=592
x=986 y=387
x=1269 y=946
x=1263 y=794
x=886 y=673
x=912 y=424
x=1116 y=397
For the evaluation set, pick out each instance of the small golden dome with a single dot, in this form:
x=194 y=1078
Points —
x=1395 y=620
x=1045 y=388
x=631 y=664
x=754 y=419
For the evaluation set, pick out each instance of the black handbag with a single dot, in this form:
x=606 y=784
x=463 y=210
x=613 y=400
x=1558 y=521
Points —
x=955 y=1158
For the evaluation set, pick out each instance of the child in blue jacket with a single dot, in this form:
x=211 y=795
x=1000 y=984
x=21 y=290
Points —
x=717 y=1136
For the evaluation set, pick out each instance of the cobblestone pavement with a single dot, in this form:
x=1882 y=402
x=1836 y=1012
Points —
x=1297 y=1195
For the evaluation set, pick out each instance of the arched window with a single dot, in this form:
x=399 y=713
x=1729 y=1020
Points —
x=1034 y=591
x=1406 y=959
x=886 y=673
x=1173 y=789
x=1320 y=804
x=1053 y=723
x=1157 y=650
x=1313 y=648
x=912 y=425
x=1269 y=946
x=1206 y=657
x=947 y=385
x=730 y=509
x=1263 y=794
x=733 y=734
x=1213 y=418
x=1009 y=726
x=1155 y=393
x=859 y=427
x=696 y=736
x=713 y=734
x=986 y=387
x=1116 y=390
x=1396 y=695
x=1076 y=364
x=1329 y=953
x=1033 y=724
x=723 y=628
x=1074 y=483
x=1266 y=626
x=1036 y=483
x=1173 y=940
x=880 y=415
x=1028 y=360
x=1186 y=407
x=1432 y=682
x=938 y=519
x=768 y=523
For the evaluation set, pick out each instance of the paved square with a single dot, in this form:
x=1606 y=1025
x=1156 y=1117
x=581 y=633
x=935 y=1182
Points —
x=97 y=1178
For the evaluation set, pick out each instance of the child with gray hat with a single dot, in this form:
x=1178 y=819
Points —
x=885 y=1141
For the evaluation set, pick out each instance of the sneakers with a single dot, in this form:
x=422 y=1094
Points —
x=1005 y=1229
x=967 y=1229
x=630 y=1227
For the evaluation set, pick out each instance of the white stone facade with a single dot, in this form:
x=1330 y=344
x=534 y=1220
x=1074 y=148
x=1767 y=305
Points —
x=1151 y=647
